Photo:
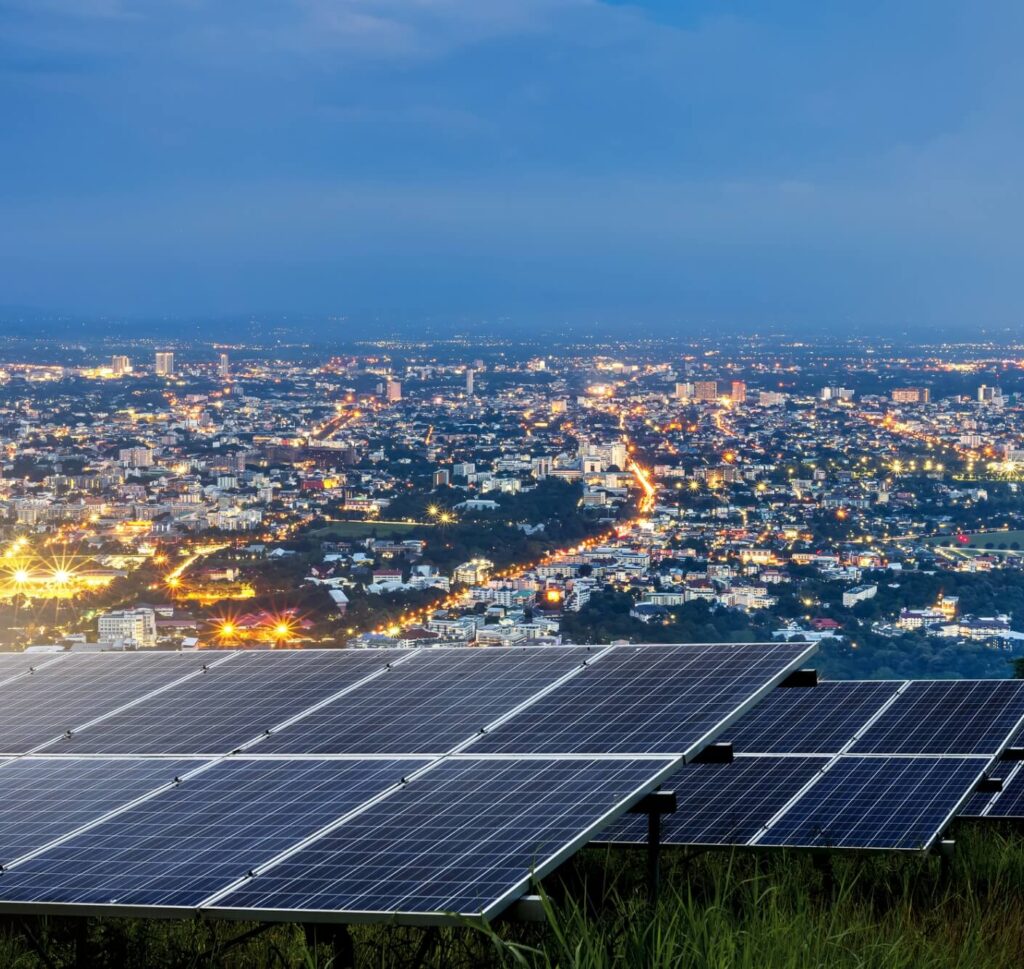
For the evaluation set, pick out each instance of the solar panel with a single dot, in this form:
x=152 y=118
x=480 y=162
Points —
x=39 y=708
x=463 y=837
x=43 y=799
x=429 y=704
x=948 y=717
x=18 y=664
x=1007 y=804
x=722 y=804
x=175 y=849
x=648 y=699
x=231 y=703
x=899 y=803
x=811 y=720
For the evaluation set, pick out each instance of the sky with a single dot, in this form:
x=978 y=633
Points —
x=847 y=167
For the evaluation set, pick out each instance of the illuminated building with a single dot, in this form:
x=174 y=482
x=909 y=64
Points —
x=705 y=390
x=120 y=364
x=469 y=383
x=474 y=572
x=911 y=395
x=738 y=392
x=135 y=457
x=164 y=363
x=136 y=626
x=394 y=390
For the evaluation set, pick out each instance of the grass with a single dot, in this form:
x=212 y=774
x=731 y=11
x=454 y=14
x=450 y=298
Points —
x=360 y=529
x=978 y=540
x=717 y=910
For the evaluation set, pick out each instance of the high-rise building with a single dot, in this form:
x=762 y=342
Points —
x=684 y=391
x=394 y=390
x=224 y=365
x=738 y=392
x=136 y=457
x=911 y=395
x=705 y=390
x=164 y=363
x=120 y=364
x=469 y=382
x=442 y=478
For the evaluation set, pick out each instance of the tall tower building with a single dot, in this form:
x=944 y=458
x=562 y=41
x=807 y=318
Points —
x=164 y=363
x=469 y=382
x=738 y=392
x=705 y=390
x=120 y=364
x=224 y=365
x=394 y=390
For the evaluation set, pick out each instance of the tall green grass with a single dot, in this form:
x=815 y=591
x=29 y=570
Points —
x=716 y=910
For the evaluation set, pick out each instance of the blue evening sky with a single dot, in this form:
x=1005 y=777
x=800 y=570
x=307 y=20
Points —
x=848 y=165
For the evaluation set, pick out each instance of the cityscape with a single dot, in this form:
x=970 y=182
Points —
x=511 y=484
x=399 y=494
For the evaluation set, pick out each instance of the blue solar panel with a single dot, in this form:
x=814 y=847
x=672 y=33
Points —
x=878 y=802
x=231 y=703
x=722 y=804
x=974 y=806
x=429 y=704
x=1009 y=803
x=647 y=699
x=44 y=799
x=39 y=708
x=810 y=720
x=948 y=717
x=463 y=837
x=188 y=842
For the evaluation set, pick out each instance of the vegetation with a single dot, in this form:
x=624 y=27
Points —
x=718 y=909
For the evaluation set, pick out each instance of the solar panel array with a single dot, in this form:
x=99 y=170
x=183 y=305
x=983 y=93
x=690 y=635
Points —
x=866 y=765
x=407 y=784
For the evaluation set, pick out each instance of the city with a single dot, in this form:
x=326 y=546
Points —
x=396 y=494
x=511 y=484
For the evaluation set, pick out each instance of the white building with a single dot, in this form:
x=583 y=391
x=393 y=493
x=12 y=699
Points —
x=129 y=625
x=858 y=594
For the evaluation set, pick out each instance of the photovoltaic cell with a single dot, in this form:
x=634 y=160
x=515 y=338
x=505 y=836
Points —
x=647 y=699
x=810 y=720
x=429 y=704
x=1009 y=803
x=947 y=717
x=878 y=802
x=16 y=664
x=722 y=804
x=974 y=806
x=44 y=799
x=230 y=703
x=38 y=708
x=188 y=842
x=459 y=838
